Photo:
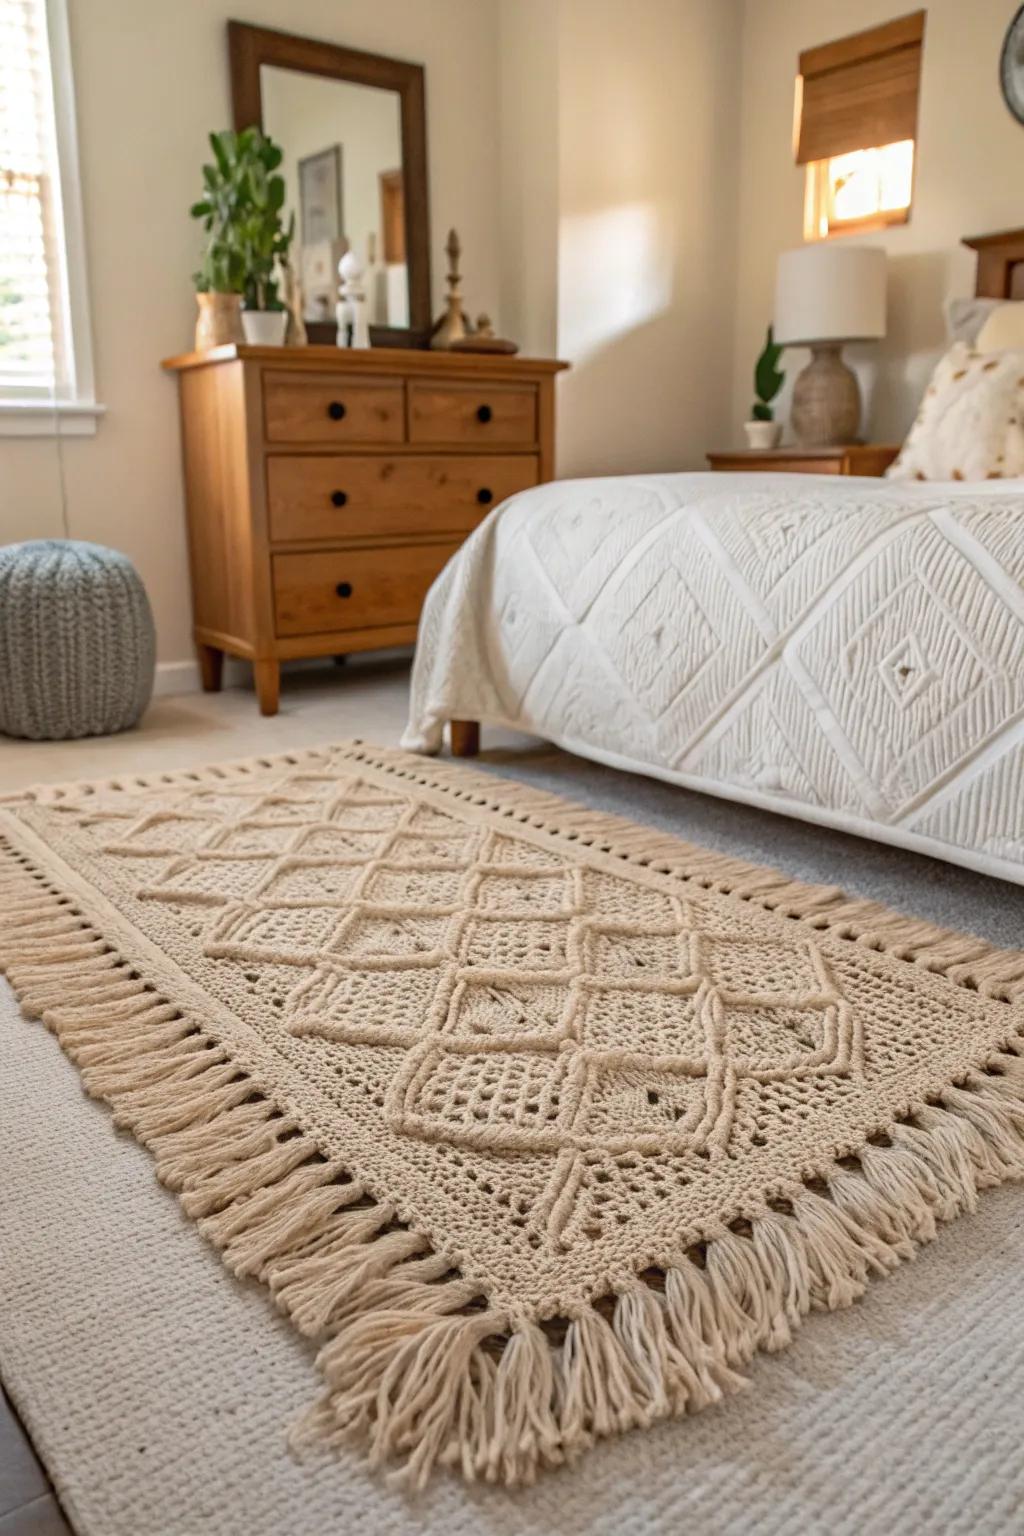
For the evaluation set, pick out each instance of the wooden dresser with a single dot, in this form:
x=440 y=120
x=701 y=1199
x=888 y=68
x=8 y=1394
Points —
x=326 y=489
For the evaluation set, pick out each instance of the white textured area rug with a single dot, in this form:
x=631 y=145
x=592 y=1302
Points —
x=154 y=1384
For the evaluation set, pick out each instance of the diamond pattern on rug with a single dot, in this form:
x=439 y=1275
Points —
x=537 y=1130
x=544 y=1008
x=524 y=1003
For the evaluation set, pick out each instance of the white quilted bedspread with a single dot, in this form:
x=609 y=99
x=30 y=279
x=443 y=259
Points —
x=848 y=651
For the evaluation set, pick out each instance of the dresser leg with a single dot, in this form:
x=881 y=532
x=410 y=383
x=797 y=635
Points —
x=211 y=666
x=465 y=738
x=267 y=676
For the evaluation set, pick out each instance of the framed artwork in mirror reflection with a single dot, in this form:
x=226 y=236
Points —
x=321 y=215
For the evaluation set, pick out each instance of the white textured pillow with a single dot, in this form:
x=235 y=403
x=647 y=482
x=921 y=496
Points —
x=1003 y=329
x=965 y=318
x=971 y=422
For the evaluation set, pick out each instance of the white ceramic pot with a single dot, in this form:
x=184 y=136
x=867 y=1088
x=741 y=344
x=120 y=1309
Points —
x=264 y=327
x=760 y=434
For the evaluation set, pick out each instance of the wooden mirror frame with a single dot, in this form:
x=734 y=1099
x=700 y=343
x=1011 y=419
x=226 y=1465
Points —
x=250 y=47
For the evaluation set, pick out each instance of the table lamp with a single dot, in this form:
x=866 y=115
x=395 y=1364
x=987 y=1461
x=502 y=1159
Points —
x=826 y=295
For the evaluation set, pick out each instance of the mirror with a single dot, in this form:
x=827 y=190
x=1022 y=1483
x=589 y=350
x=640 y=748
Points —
x=352 y=129
x=343 y=169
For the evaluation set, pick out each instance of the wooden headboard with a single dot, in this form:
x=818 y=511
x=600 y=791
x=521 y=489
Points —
x=1000 y=264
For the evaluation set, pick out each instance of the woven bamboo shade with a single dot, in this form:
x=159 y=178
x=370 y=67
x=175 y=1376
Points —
x=861 y=91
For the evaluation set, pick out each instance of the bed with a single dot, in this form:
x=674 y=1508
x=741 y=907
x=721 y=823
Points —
x=848 y=651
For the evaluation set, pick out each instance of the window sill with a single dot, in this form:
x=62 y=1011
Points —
x=33 y=418
x=886 y=218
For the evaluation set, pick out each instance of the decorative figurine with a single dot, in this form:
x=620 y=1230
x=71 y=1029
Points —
x=483 y=339
x=452 y=326
x=295 y=332
x=350 y=313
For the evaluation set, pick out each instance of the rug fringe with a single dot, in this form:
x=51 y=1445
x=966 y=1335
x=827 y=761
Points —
x=420 y=1369
x=425 y=1390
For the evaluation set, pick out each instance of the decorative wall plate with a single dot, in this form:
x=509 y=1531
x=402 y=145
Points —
x=1011 y=66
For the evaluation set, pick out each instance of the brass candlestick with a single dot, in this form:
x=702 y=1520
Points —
x=452 y=325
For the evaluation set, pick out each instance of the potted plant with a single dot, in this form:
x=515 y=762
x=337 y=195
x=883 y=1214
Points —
x=762 y=430
x=241 y=214
x=220 y=279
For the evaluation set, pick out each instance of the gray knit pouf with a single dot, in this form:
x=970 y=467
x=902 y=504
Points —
x=77 y=645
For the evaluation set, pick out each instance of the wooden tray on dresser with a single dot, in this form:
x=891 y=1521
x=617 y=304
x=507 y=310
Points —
x=326 y=489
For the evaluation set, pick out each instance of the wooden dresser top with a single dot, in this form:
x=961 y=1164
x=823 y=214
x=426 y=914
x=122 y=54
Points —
x=401 y=360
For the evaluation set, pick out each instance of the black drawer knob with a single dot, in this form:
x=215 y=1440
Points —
x=336 y=411
x=338 y=498
x=485 y=496
x=344 y=589
x=484 y=413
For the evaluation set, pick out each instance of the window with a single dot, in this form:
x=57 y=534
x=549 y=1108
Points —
x=865 y=189
x=856 y=124
x=46 y=383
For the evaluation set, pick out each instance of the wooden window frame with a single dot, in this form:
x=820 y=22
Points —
x=72 y=411
x=886 y=50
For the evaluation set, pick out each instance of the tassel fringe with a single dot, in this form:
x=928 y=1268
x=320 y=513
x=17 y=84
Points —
x=418 y=1368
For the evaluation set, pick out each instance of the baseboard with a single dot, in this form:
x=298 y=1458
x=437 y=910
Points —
x=175 y=677
x=183 y=676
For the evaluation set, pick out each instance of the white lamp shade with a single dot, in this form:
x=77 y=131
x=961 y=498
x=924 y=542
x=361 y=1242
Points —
x=830 y=293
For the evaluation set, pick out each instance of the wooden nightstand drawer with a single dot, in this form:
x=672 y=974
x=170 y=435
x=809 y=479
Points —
x=336 y=590
x=484 y=415
x=332 y=408
x=349 y=496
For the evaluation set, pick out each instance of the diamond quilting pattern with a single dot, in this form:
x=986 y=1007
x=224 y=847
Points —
x=850 y=651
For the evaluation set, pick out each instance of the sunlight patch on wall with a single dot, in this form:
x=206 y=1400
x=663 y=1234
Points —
x=614 y=275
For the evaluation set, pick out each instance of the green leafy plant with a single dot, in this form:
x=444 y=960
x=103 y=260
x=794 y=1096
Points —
x=767 y=379
x=241 y=213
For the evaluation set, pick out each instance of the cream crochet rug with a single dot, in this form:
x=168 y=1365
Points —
x=542 y=1122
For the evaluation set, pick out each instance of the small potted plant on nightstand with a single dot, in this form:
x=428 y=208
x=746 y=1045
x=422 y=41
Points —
x=762 y=430
x=241 y=213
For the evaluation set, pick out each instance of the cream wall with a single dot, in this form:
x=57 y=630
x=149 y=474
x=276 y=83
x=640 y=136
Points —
x=151 y=80
x=647 y=134
x=970 y=179
x=528 y=137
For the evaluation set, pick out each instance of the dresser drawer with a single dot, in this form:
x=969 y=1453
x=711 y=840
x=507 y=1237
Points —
x=485 y=415
x=335 y=590
x=327 y=497
x=330 y=408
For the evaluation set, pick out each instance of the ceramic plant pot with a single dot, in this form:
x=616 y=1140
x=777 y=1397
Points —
x=265 y=327
x=220 y=320
x=762 y=434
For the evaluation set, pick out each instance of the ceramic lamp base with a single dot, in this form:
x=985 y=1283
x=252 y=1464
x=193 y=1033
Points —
x=826 y=400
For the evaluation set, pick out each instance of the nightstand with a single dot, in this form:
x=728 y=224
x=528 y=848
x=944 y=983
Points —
x=855 y=459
